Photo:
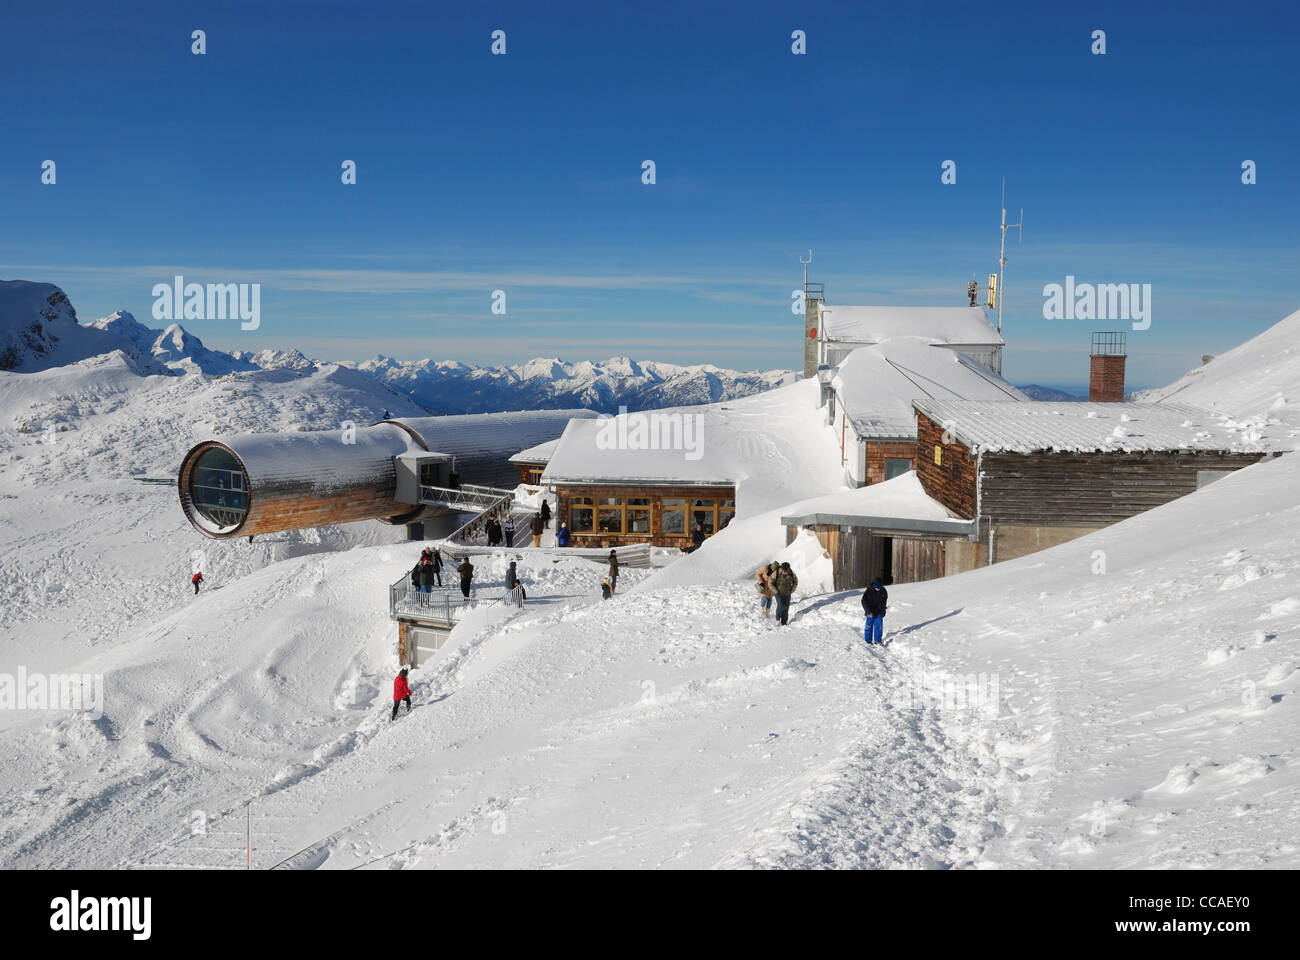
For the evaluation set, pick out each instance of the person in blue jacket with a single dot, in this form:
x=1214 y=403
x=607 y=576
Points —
x=562 y=535
x=874 y=600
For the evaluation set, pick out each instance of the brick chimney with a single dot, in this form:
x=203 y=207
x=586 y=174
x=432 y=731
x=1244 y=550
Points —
x=1106 y=377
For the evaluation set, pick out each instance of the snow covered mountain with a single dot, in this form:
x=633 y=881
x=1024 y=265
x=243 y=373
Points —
x=454 y=387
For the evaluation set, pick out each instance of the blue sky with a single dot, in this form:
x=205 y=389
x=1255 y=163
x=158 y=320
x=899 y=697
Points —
x=523 y=172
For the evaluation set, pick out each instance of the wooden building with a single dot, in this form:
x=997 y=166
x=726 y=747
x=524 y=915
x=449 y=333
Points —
x=614 y=488
x=532 y=462
x=1032 y=475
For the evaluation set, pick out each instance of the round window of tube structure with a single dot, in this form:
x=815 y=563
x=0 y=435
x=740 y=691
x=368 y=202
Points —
x=218 y=489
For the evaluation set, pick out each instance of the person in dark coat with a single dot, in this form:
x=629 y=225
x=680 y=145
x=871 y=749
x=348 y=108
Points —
x=613 y=571
x=518 y=595
x=874 y=600
x=436 y=559
x=401 y=694
x=546 y=514
x=784 y=585
x=605 y=591
x=697 y=536
x=466 y=571
x=537 y=527
x=512 y=574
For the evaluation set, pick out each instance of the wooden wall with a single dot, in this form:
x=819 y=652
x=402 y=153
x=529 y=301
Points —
x=860 y=555
x=1091 y=489
x=952 y=480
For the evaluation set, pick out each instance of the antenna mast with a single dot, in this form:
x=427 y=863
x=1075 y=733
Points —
x=1002 y=253
x=805 y=271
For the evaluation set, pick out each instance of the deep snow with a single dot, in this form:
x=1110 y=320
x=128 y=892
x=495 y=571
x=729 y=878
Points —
x=1125 y=699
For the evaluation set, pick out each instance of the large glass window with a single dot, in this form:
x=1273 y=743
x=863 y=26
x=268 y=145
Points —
x=609 y=515
x=673 y=519
x=638 y=516
x=704 y=512
x=580 y=515
x=219 y=488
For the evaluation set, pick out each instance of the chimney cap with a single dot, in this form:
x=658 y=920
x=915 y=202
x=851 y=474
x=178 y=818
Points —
x=1109 y=343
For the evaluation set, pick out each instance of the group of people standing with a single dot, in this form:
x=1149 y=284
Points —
x=776 y=581
x=498 y=532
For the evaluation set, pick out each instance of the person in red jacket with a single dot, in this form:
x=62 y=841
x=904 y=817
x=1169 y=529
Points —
x=400 y=692
x=196 y=580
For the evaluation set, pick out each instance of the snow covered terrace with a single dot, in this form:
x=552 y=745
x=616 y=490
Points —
x=1070 y=427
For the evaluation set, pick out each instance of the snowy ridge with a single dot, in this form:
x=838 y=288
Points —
x=1261 y=377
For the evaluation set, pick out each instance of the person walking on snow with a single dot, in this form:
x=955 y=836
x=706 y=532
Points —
x=512 y=574
x=510 y=530
x=466 y=571
x=613 y=571
x=401 y=694
x=537 y=527
x=765 y=592
x=436 y=559
x=196 y=580
x=546 y=514
x=874 y=600
x=784 y=586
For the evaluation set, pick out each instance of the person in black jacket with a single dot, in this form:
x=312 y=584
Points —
x=874 y=600
x=546 y=515
x=466 y=570
x=697 y=537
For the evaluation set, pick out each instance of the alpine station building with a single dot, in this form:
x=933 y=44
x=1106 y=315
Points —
x=614 y=494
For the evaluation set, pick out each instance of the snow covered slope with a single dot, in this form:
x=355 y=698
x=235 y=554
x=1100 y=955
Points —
x=1037 y=713
x=1261 y=377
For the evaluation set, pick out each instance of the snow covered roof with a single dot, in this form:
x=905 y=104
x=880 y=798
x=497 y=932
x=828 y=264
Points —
x=951 y=325
x=897 y=504
x=877 y=384
x=1065 y=427
x=538 y=454
x=774 y=447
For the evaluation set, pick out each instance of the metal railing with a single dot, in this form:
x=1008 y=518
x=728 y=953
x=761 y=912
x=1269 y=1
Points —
x=443 y=605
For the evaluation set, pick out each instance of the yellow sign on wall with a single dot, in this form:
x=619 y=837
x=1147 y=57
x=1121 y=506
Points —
x=938 y=455
x=993 y=291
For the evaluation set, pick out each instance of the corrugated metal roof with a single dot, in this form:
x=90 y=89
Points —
x=1065 y=427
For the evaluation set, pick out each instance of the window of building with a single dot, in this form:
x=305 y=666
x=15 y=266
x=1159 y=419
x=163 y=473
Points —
x=673 y=520
x=638 y=516
x=219 y=489
x=896 y=467
x=581 y=513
